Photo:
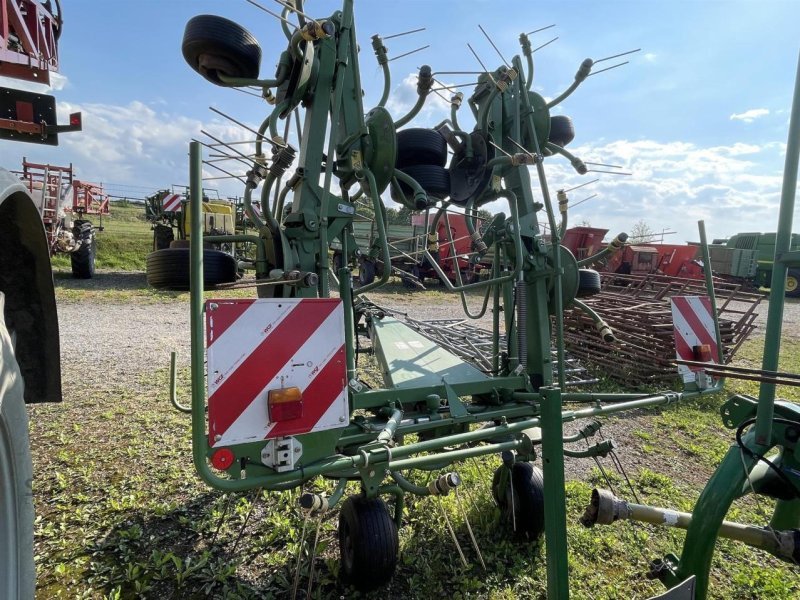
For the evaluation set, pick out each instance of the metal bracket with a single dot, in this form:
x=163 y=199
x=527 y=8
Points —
x=282 y=454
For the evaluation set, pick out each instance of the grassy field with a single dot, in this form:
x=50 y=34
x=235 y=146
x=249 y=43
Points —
x=121 y=513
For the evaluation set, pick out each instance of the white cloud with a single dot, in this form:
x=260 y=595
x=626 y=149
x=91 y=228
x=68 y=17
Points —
x=751 y=115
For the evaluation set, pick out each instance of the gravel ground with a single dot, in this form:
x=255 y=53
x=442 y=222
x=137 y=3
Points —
x=132 y=339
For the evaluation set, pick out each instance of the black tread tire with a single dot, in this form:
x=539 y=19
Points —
x=528 y=485
x=168 y=269
x=235 y=51
x=434 y=180
x=163 y=236
x=793 y=276
x=17 y=574
x=82 y=260
x=562 y=131
x=366 y=272
x=419 y=146
x=589 y=283
x=368 y=543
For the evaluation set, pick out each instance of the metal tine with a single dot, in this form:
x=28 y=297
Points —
x=238 y=89
x=452 y=533
x=584 y=200
x=313 y=557
x=246 y=162
x=608 y=68
x=602 y=165
x=582 y=185
x=216 y=178
x=456 y=85
x=244 y=156
x=485 y=70
x=225 y=144
x=545 y=44
x=493 y=45
x=300 y=545
x=540 y=29
x=293 y=8
x=469 y=529
x=396 y=35
x=460 y=72
x=499 y=148
x=277 y=16
x=420 y=49
x=520 y=146
x=617 y=55
x=440 y=95
x=213 y=166
x=608 y=172
x=240 y=124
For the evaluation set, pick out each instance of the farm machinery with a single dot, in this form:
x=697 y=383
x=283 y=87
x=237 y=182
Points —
x=64 y=204
x=281 y=400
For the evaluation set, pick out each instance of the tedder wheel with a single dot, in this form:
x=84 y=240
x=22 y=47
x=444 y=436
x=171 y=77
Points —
x=82 y=260
x=368 y=542
x=215 y=46
x=793 y=283
x=419 y=146
x=168 y=269
x=562 y=132
x=528 y=502
x=588 y=283
x=366 y=272
x=17 y=576
x=433 y=179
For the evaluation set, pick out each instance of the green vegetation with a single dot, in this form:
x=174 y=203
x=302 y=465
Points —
x=121 y=513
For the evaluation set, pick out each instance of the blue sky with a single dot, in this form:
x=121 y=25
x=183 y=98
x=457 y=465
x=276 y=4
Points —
x=699 y=116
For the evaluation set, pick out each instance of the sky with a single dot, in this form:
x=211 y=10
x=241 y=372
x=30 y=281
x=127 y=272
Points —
x=699 y=116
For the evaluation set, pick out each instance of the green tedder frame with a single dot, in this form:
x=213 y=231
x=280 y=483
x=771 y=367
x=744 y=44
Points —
x=435 y=410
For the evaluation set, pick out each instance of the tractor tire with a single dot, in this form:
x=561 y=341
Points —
x=435 y=180
x=169 y=269
x=366 y=272
x=589 y=283
x=17 y=574
x=163 y=236
x=528 y=502
x=82 y=260
x=562 y=131
x=215 y=46
x=418 y=146
x=793 y=283
x=368 y=543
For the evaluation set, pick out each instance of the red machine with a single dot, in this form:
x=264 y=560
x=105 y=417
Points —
x=59 y=197
x=29 y=32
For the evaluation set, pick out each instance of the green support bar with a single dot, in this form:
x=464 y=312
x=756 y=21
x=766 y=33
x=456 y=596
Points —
x=555 y=506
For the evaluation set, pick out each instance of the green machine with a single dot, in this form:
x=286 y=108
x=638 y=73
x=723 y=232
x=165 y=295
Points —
x=281 y=400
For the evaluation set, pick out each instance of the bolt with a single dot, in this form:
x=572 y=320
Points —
x=372 y=473
x=217 y=437
x=213 y=306
x=341 y=419
x=296 y=450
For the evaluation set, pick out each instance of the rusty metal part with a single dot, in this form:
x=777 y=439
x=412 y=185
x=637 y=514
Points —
x=637 y=309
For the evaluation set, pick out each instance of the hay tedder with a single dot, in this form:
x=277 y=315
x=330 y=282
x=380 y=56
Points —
x=281 y=400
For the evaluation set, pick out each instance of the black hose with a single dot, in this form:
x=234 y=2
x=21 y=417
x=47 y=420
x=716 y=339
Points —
x=761 y=457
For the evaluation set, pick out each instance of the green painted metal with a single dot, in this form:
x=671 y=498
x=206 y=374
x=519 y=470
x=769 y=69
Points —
x=408 y=359
x=712 y=296
x=772 y=342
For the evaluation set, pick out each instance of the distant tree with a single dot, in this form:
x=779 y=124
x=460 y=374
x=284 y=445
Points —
x=641 y=231
x=484 y=215
x=584 y=223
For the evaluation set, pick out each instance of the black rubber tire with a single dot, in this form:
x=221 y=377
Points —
x=214 y=45
x=562 y=131
x=434 y=180
x=528 y=500
x=17 y=574
x=82 y=260
x=368 y=543
x=366 y=272
x=418 y=146
x=589 y=283
x=793 y=283
x=168 y=269
x=163 y=236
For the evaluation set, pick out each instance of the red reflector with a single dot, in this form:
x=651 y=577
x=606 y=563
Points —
x=222 y=459
x=75 y=120
x=285 y=404
x=702 y=353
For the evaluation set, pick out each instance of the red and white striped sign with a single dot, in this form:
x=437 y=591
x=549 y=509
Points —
x=171 y=203
x=255 y=346
x=693 y=323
